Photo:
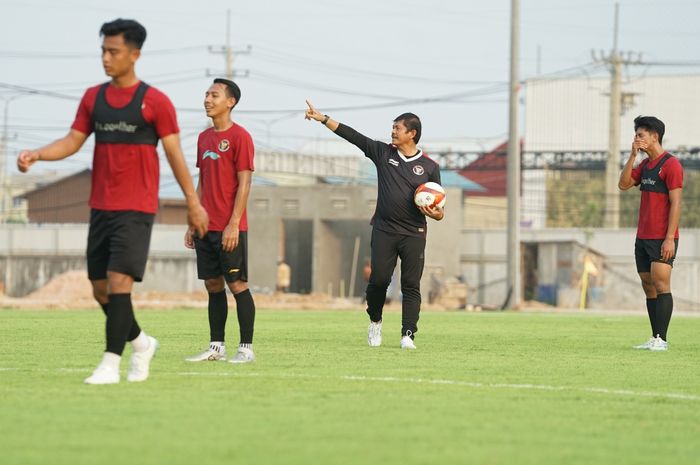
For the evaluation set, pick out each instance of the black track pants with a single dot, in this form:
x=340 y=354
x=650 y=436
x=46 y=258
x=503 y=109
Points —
x=386 y=248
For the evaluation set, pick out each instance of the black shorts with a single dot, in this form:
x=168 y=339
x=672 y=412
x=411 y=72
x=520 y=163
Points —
x=213 y=261
x=647 y=251
x=118 y=241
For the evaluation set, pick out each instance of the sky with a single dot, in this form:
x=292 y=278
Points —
x=363 y=62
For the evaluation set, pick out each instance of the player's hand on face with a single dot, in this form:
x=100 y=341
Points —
x=312 y=113
x=198 y=219
x=668 y=248
x=638 y=145
x=229 y=239
x=25 y=159
x=189 y=241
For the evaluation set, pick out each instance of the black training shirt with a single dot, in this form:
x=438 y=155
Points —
x=397 y=179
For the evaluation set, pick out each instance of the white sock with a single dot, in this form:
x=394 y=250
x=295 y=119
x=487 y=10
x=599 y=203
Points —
x=141 y=342
x=111 y=360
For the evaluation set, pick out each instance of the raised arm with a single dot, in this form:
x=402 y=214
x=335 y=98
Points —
x=56 y=150
x=197 y=217
x=370 y=147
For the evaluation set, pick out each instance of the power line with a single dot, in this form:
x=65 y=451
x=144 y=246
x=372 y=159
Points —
x=298 y=61
x=34 y=55
x=29 y=90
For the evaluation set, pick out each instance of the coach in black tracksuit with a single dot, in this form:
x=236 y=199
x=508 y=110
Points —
x=399 y=226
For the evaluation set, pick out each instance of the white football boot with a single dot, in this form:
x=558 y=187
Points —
x=140 y=362
x=374 y=334
x=107 y=372
x=407 y=342
x=103 y=374
x=659 y=345
x=212 y=354
x=647 y=345
x=243 y=355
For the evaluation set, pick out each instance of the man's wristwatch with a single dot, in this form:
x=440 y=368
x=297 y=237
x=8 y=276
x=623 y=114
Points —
x=325 y=119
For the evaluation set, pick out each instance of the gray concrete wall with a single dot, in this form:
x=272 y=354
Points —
x=30 y=255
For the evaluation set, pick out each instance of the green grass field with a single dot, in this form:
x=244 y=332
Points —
x=489 y=388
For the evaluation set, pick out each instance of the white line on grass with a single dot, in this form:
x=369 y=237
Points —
x=392 y=379
x=540 y=387
x=451 y=382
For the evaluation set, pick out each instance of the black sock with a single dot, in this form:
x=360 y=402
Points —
x=664 y=309
x=218 y=312
x=134 y=331
x=651 y=311
x=120 y=319
x=135 y=328
x=245 y=309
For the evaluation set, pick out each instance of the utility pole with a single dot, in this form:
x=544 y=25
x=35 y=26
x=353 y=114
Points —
x=3 y=167
x=228 y=52
x=513 y=164
x=5 y=203
x=612 y=166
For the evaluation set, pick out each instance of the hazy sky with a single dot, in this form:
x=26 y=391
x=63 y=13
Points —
x=347 y=57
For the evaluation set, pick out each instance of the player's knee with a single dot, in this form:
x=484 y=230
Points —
x=661 y=287
x=379 y=283
x=100 y=295
x=238 y=286
x=119 y=283
x=214 y=284
x=99 y=292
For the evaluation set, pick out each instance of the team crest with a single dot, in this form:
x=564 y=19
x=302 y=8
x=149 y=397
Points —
x=224 y=145
x=418 y=170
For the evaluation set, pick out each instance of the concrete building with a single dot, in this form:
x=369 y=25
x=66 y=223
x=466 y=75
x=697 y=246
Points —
x=572 y=114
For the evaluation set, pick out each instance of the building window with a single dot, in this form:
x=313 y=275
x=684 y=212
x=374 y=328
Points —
x=291 y=205
x=339 y=204
x=261 y=204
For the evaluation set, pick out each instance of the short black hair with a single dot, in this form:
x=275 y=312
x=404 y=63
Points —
x=651 y=124
x=232 y=89
x=412 y=123
x=134 y=32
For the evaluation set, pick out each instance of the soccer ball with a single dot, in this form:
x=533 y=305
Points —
x=430 y=194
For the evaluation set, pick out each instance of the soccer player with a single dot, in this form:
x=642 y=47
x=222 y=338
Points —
x=128 y=118
x=660 y=178
x=398 y=225
x=225 y=161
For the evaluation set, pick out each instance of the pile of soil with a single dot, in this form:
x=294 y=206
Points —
x=71 y=290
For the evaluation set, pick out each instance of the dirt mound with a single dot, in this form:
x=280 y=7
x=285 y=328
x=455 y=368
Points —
x=72 y=289
x=68 y=286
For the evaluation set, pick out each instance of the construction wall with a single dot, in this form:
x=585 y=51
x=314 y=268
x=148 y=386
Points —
x=483 y=263
x=325 y=219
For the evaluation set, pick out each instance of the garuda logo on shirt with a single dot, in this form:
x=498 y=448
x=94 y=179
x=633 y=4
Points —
x=210 y=154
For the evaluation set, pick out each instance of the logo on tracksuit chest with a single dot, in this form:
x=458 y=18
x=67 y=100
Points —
x=210 y=154
x=418 y=170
